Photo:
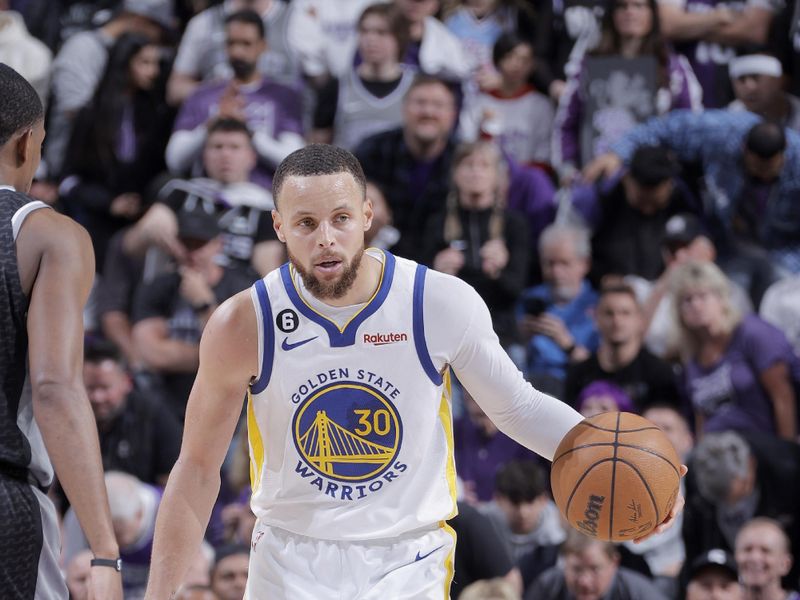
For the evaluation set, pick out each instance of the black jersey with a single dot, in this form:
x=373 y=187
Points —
x=22 y=452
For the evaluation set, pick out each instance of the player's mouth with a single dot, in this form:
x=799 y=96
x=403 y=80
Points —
x=328 y=265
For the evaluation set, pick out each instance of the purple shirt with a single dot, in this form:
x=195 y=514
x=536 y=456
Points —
x=729 y=393
x=270 y=108
x=478 y=457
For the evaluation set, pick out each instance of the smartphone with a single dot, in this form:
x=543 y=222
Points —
x=534 y=306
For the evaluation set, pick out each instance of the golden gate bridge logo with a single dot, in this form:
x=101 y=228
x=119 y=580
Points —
x=347 y=431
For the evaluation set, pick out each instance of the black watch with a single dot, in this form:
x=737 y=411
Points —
x=114 y=563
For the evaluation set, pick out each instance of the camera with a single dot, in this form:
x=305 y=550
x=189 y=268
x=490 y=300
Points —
x=534 y=306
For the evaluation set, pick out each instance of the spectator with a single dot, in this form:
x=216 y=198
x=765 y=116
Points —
x=202 y=55
x=514 y=113
x=271 y=110
x=665 y=552
x=24 y=53
x=713 y=576
x=621 y=357
x=480 y=451
x=489 y=589
x=79 y=65
x=480 y=553
x=324 y=35
x=556 y=320
x=628 y=212
x=477 y=239
x=750 y=169
x=732 y=479
x=412 y=164
x=739 y=372
x=591 y=571
x=138 y=435
x=199 y=573
x=684 y=239
x=674 y=425
x=707 y=33
x=242 y=208
x=478 y=25
x=763 y=555
x=133 y=509
x=117 y=146
x=780 y=307
x=565 y=30
x=78 y=572
x=600 y=396
x=196 y=592
x=170 y=312
x=526 y=518
x=381 y=233
x=229 y=573
x=432 y=48
x=758 y=86
x=630 y=29
x=367 y=98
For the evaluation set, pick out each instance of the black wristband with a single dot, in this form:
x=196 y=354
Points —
x=114 y=563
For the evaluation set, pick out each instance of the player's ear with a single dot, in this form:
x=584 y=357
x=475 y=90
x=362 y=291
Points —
x=277 y=225
x=368 y=212
x=23 y=147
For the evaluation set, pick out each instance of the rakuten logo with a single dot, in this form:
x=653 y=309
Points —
x=381 y=339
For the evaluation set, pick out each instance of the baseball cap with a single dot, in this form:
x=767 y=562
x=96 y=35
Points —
x=158 y=11
x=652 y=165
x=197 y=224
x=681 y=230
x=716 y=557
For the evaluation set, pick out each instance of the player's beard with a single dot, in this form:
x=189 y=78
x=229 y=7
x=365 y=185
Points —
x=330 y=289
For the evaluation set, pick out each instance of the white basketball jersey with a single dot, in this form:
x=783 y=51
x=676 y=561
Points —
x=350 y=428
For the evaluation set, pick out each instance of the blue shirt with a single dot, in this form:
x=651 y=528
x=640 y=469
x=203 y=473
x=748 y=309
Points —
x=543 y=355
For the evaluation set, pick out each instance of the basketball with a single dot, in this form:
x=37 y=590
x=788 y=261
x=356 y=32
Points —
x=615 y=476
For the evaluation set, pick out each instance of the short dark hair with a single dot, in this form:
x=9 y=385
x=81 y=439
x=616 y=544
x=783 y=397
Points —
x=520 y=481
x=318 y=159
x=652 y=165
x=96 y=350
x=248 y=17
x=227 y=550
x=766 y=139
x=229 y=125
x=612 y=285
x=505 y=44
x=423 y=79
x=21 y=108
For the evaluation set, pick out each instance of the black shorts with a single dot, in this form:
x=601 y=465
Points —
x=29 y=544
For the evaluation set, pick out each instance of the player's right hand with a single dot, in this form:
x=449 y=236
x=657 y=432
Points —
x=105 y=583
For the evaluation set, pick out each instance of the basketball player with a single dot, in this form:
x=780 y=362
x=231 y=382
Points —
x=46 y=270
x=345 y=355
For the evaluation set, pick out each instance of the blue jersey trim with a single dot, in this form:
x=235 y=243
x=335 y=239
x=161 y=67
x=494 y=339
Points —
x=419 y=327
x=346 y=336
x=260 y=384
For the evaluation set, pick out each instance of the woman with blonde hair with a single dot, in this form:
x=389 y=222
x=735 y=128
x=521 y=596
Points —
x=477 y=239
x=740 y=372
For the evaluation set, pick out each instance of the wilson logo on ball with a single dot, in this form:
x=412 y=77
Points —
x=592 y=515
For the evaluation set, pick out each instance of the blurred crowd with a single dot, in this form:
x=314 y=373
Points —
x=618 y=179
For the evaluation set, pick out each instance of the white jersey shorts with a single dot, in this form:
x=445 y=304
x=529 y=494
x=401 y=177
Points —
x=287 y=566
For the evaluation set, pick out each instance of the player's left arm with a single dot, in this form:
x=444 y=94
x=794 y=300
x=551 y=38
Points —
x=459 y=333
x=535 y=420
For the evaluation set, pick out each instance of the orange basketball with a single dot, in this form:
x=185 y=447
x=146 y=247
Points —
x=615 y=476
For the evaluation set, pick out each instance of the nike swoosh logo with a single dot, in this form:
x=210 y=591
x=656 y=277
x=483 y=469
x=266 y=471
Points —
x=419 y=558
x=287 y=346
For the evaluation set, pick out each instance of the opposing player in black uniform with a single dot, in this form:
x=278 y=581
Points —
x=46 y=270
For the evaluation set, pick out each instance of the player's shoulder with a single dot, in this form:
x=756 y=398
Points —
x=449 y=295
